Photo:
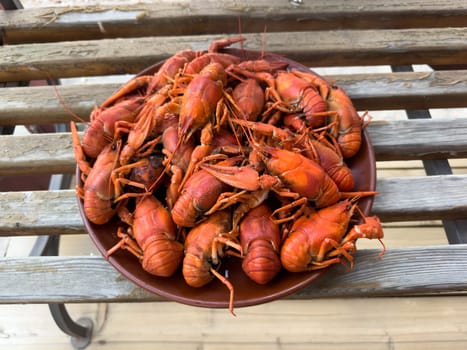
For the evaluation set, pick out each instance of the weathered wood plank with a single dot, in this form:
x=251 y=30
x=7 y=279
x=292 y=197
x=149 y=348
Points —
x=41 y=104
x=418 y=138
x=414 y=90
x=393 y=275
x=322 y=48
x=401 y=272
x=414 y=198
x=40 y=213
x=399 y=199
x=38 y=153
x=377 y=91
x=392 y=140
x=182 y=18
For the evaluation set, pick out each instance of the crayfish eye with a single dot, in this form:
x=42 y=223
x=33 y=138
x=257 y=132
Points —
x=266 y=155
x=155 y=161
x=348 y=207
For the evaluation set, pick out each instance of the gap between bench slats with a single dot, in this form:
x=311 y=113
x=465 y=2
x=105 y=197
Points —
x=174 y=18
x=400 y=199
x=401 y=272
x=324 y=48
x=392 y=140
x=376 y=91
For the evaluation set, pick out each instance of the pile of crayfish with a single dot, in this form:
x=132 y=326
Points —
x=216 y=155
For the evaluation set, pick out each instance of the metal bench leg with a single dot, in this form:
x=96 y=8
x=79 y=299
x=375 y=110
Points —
x=11 y=4
x=456 y=230
x=81 y=330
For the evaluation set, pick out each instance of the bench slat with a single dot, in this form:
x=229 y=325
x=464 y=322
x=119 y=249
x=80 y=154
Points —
x=175 y=18
x=377 y=91
x=401 y=272
x=41 y=104
x=328 y=48
x=414 y=90
x=418 y=139
x=423 y=198
x=392 y=140
x=40 y=213
x=400 y=199
x=37 y=153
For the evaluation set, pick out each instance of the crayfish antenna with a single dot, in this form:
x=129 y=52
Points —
x=263 y=40
x=65 y=106
x=242 y=48
x=381 y=253
x=366 y=119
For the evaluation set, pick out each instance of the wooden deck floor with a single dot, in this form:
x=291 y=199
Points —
x=398 y=323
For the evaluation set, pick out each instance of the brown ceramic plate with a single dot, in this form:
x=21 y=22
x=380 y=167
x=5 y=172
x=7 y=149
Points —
x=215 y=294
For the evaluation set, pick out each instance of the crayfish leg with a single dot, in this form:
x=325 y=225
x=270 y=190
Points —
x=225 y=200
x=200 y=151
x=301 y=203
x=318 y=265
x=122 y=127
x=126 y=242
x=229 y=243
x=328 y=244
x=173 y=190
x=227 y=283
x=80 y=192
x=79 y=153
x=346 y=247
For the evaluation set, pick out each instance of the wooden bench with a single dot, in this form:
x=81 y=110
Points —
x=81 y=42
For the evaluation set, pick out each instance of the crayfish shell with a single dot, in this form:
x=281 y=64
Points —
x=262 y=263
x=162 y=256
x=260 y=240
